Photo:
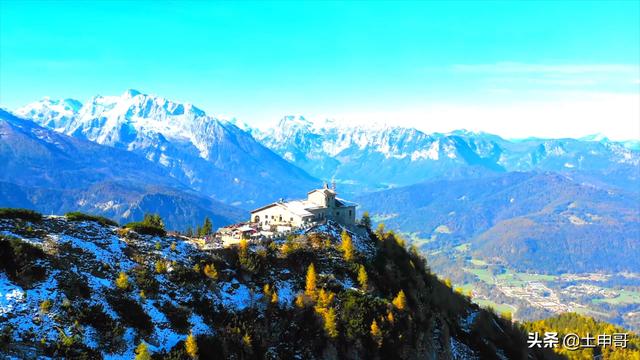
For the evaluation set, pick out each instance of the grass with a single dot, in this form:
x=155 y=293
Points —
x=414 y=238
x=482 y=274
x=478 y=262
x=499 y=308
x=624 y=297
x=463 y=247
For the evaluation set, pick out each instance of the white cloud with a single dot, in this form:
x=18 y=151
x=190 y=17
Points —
x=523 y=68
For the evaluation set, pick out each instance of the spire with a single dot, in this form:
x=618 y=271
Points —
x=333 y=185
x=325 y=185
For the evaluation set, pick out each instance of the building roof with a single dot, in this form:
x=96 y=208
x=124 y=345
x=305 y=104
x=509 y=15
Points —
x=303 y=208
x=345 y=203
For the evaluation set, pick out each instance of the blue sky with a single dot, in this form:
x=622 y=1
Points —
x=518 y=69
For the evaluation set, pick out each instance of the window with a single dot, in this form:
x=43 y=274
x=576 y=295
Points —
x=349 y=212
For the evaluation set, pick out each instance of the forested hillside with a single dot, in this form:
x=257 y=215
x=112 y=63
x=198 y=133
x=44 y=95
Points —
x=79 y=288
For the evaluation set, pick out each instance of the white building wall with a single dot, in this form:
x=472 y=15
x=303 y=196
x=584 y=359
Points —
x=276 y=215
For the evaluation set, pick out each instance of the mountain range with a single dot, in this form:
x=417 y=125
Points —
x=173 y=158
x=55 y=173
x=208 y=154
x=379 y=157
x=543 y=222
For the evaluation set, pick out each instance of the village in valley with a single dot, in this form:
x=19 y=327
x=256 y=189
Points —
x=281 y=218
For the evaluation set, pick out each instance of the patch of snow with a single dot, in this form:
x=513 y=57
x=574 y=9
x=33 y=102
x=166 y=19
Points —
x=235 y=295
x=460 y=351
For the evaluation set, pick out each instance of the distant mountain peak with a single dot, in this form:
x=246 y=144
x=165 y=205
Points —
x=130 y=93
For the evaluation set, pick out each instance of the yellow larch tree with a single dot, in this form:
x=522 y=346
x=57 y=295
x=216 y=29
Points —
x=142 y=352
x=211 y=272
x=330 y=325
x=310 y=289
x=347 y=246
x=376 y=333
x=122 y=282
x=363 y=278
x=191 y=346
x=400 y=301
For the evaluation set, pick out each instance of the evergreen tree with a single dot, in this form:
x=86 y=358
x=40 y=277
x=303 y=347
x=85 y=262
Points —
x=207 y=228
x=366 y=220
x=191 y=346
x=142 y=352
x=310 y=288
x=153 y=220
x=347 y=246
x=363 y=278
x=189 y=232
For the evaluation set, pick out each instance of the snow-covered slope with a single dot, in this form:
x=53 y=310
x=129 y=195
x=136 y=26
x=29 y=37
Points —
x=81 y=290
x=209 y=154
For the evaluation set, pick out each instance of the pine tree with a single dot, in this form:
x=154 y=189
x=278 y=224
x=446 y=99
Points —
x=153 y=220
x=142 y=352
x=366 y=220
x=189 y=232
x=300 y=301
x=447 y=282
x=191 y=346
x=310 y=288
x=173 y=246
x=347 y=246
x=122 y=282
x=400 y=301
x=363 y=278
x=207 y=227
x=274 y=297
x=376 y=334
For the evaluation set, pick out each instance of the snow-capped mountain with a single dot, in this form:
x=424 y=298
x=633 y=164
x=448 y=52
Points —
x=55 y=173
x=382 y=156
x=209 y=154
